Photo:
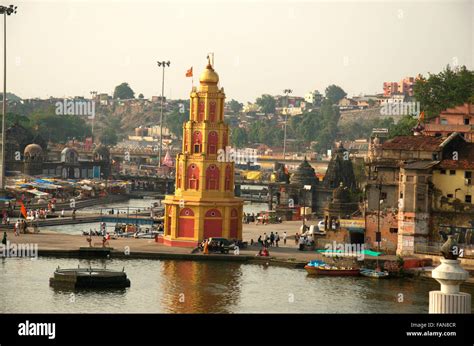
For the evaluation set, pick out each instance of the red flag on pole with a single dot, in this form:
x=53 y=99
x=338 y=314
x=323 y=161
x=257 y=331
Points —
x=23 y=210
x=189 y=73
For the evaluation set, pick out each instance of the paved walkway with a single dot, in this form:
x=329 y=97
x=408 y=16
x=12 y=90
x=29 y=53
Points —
x=289 y=252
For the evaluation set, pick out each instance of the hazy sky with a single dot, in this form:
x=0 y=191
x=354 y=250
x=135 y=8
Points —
x=68 y=48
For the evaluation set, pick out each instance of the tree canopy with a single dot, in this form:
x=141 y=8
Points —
x=235 y=106
x=448 y=88
x=334 y=94
x=176 y=117
x=266 y=103
x=123 y=91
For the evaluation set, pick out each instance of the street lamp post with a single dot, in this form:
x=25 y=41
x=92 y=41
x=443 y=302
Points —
x=6 y=11
x=378 y=235
x=162 y=64
x=287 y=92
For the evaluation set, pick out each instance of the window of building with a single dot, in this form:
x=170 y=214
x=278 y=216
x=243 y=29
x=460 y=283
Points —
x=449 y=195
x=401 y=194
x=420 y=196
x=468 y=174
x=466 y=121
x=444 y=121
x=435 y=155
x=421 y=179
x=452 y=172
x=442 y=171
x=409 y=178
x=468 y=199
x=393 y=230
x=383 y=195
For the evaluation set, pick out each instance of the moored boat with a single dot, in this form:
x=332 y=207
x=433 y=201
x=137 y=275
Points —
x=332 y=270
x=372 y=273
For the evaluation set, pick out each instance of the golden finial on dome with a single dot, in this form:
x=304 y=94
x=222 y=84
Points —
x=209 y=76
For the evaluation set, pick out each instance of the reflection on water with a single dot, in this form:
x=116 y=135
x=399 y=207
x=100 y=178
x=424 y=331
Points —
x=199 y=287
x=213 y=287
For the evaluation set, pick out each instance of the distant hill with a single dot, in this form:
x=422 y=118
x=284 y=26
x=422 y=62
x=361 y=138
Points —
x=10 y=97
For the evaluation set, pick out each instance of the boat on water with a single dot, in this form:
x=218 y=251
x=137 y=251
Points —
x=332 y=270
x=372 y=273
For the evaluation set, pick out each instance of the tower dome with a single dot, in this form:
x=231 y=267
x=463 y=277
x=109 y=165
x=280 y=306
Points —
x=69 y=155
x=33 y=150
x=209 y=76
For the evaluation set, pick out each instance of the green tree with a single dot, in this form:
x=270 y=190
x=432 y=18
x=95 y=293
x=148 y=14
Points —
x=174 y=121
x=403 y=127
x=267 y=104
x=235 y=106
x=123 y=91
x=446 y=89
x=108 y=137
x=335 y=93
x=58 y=128
x=140 y=96
x=239 y=137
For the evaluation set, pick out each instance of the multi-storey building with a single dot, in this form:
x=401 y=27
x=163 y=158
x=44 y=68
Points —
x=204 y=204
x=457 y=119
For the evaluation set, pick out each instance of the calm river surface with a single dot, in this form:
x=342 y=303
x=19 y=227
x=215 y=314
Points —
x=206 y=287
x=133 y=204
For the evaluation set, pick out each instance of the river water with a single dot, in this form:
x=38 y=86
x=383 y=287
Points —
x=130 y=205
x=206 y=287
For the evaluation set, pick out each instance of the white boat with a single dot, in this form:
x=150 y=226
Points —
x=372 y=273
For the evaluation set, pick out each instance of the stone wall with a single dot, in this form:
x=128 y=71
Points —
x=388 y=229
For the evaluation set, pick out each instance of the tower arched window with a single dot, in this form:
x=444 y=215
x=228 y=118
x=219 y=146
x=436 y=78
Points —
x=212 y=111
x=228 y=178
x=212 y=178
x=193 y=177
x=201 y=110
x=212 y=141
x=197 y=142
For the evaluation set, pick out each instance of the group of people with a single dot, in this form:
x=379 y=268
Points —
x=263 y=219
x=303 y=240
x=271 y=240
x=19 y=227
x=249 y=218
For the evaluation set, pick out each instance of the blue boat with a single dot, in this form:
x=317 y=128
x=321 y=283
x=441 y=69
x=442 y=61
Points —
x=316 y=263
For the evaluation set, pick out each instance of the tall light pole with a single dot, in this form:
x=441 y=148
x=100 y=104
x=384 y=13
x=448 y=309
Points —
x=164 y=64
x=6 y=11
x=287 y=92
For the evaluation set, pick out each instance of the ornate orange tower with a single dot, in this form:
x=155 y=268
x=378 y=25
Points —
x=204 y=204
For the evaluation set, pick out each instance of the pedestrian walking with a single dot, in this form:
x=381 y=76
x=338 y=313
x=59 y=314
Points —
x=277 y=239
x=17 y=228
x=284 y=238
x=272 y=239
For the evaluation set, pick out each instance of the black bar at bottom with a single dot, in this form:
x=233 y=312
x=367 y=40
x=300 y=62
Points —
x=276 y=329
